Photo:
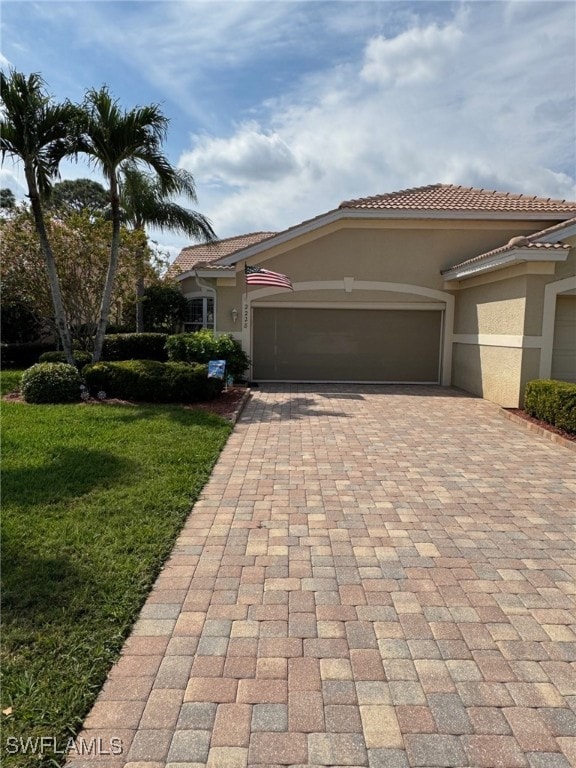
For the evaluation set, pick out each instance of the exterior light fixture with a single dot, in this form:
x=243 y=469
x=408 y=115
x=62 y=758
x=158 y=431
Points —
x=234 y=314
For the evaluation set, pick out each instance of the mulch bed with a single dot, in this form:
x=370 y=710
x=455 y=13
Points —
x=544 y=424
x=225 y=405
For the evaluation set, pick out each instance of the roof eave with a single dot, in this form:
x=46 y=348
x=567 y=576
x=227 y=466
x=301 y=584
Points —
x=507 y=259
x=205 y=273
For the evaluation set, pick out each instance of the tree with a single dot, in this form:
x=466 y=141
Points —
x=36 y=131
x=25 y=289
x=7 y=199
x=145 y=201
x=110 y=138
x=165 y=308
x=79 y=195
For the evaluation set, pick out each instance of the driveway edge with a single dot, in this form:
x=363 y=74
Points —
x=538 y=430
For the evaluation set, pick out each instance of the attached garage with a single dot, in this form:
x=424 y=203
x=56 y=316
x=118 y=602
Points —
x=360 y=345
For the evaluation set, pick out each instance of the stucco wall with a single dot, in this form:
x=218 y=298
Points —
x=406 y=251
x=491 y=372
x=494 y=308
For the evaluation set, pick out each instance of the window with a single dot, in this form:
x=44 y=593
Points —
x=199 y=314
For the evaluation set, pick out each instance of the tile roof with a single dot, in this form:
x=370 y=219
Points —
x=529 y=242
x=206 y=253
x=448 y=197
x=508 y=247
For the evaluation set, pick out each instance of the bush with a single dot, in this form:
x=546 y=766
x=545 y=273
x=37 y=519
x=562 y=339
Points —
x=22 y=355
x=203 y=346
x=152 y=381
x=81 y=358
x=51 y=383
x=552 y=401
x=135 y=346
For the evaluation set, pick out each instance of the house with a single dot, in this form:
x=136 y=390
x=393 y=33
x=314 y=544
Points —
x=440 y=284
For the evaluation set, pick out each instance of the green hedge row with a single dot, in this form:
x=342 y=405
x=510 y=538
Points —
x=80 y=358
x=152 y=381
x=552 y=401
x=135 y=346
x=22 y=355
x=199 y=347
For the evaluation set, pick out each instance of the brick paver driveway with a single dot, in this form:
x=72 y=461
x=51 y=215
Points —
x=374 y=576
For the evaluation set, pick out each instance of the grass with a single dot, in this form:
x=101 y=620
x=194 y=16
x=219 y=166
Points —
x=93 y=499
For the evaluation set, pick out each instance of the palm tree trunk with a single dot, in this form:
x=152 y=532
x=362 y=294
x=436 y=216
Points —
x=110 y=275
x=51 y=269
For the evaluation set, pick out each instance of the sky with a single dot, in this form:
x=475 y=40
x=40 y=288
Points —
x=281 y=110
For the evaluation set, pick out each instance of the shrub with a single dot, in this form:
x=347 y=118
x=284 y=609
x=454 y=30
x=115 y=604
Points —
x=81 y=358
x=22 y=355
x=203 y=346
x=135 y=346
x=552 y=401
x=51 y=383
x=152 y=381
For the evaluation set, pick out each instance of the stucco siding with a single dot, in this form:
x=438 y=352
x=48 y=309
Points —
x=494 y=308
x=490 y=372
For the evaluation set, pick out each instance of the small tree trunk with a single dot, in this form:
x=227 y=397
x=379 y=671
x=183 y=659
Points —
x=140 y=291
x=110 y=275
x=51 y=269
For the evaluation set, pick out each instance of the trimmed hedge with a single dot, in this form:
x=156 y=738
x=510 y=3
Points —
x=51 y=383
x=203 y=346
x=22 y=355
x=152 y=381
x=135 y=346
x=552 y=401
x=81 y=358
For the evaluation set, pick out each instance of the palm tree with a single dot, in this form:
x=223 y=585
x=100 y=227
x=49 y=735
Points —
x=145 y=201
x=36 y=131
x=110 y=138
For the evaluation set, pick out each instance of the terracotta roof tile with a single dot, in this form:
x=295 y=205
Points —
x=448 y=197
x=206 y=253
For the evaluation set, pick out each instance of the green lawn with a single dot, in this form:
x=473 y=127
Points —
x=93 y=498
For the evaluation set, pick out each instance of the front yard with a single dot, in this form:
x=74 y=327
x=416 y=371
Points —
x=93 y=498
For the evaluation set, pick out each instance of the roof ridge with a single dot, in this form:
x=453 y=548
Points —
x=458 y=197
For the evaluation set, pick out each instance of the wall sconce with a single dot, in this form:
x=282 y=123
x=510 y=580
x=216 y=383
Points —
x=234 y=314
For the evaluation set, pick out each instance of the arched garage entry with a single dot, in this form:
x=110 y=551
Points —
x=354 y=342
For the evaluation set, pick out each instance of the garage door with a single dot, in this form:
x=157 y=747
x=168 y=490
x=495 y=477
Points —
x=564 y=354
x=346 y=345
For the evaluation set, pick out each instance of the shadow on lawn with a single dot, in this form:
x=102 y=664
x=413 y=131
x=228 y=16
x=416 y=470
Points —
x=71 y=472
x=33 y=585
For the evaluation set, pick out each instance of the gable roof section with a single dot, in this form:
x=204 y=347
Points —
x=206 y=253
x=435 y=201
x=432 y=201
x=545 y=245
x=448 y=197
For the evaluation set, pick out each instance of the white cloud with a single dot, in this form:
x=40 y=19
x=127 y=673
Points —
x=14 y=180
x=500 y=114
x=415 y=56
x=248 y=156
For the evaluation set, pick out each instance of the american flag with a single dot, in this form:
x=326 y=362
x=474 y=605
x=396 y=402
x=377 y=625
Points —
x=259 y=276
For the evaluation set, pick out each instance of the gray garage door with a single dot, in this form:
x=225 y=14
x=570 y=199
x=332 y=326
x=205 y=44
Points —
x=346 y=345
x=564 y=354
